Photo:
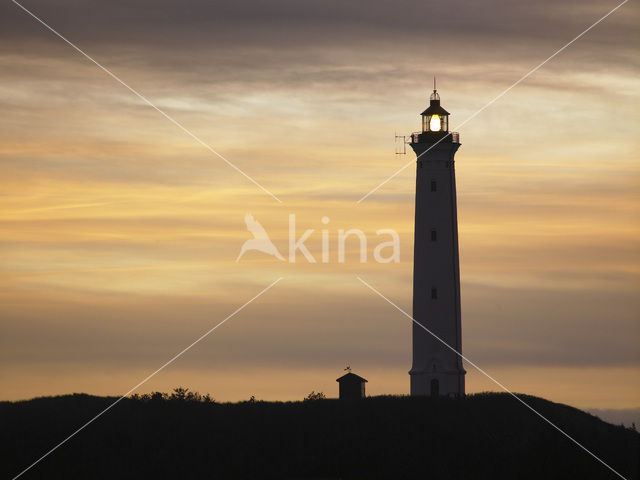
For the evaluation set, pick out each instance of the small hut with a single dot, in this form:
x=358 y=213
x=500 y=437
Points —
x=351 y=386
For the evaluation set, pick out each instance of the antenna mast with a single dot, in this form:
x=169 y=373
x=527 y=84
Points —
x=401 y=150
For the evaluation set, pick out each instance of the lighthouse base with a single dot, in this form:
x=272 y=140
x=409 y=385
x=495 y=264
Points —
x=449 y=384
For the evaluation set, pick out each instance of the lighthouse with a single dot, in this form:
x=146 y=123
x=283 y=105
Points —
x=436 y=369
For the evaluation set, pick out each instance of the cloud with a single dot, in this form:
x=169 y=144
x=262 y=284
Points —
x=294 y=44
x=119 y=231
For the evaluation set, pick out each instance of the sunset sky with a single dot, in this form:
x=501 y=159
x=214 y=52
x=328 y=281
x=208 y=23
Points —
x=120 y=232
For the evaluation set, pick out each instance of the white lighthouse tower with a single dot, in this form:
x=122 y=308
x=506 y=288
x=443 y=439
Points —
x=436 y=369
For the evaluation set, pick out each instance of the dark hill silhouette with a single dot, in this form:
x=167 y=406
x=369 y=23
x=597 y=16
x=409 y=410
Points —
x=483 y=436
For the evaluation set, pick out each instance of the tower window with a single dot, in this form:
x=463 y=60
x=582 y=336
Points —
x=434 y=235
x=434 y=293
x=434 y=185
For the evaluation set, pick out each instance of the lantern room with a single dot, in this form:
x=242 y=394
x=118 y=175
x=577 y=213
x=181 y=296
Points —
x=435 y=118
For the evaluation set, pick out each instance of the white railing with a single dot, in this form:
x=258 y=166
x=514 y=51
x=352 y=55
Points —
x=453 y=137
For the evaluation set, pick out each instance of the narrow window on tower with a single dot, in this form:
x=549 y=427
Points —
x=434 y=293
x=434 y=235
x=434 y=185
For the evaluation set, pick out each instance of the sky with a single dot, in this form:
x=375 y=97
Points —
x=119 y=232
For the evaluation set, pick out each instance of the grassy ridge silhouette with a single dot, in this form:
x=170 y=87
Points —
x=188 y=435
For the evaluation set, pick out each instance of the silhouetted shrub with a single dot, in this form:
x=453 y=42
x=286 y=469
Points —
x=314 y=396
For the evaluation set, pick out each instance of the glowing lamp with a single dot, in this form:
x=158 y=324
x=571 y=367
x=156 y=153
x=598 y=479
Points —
x=434 y=123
